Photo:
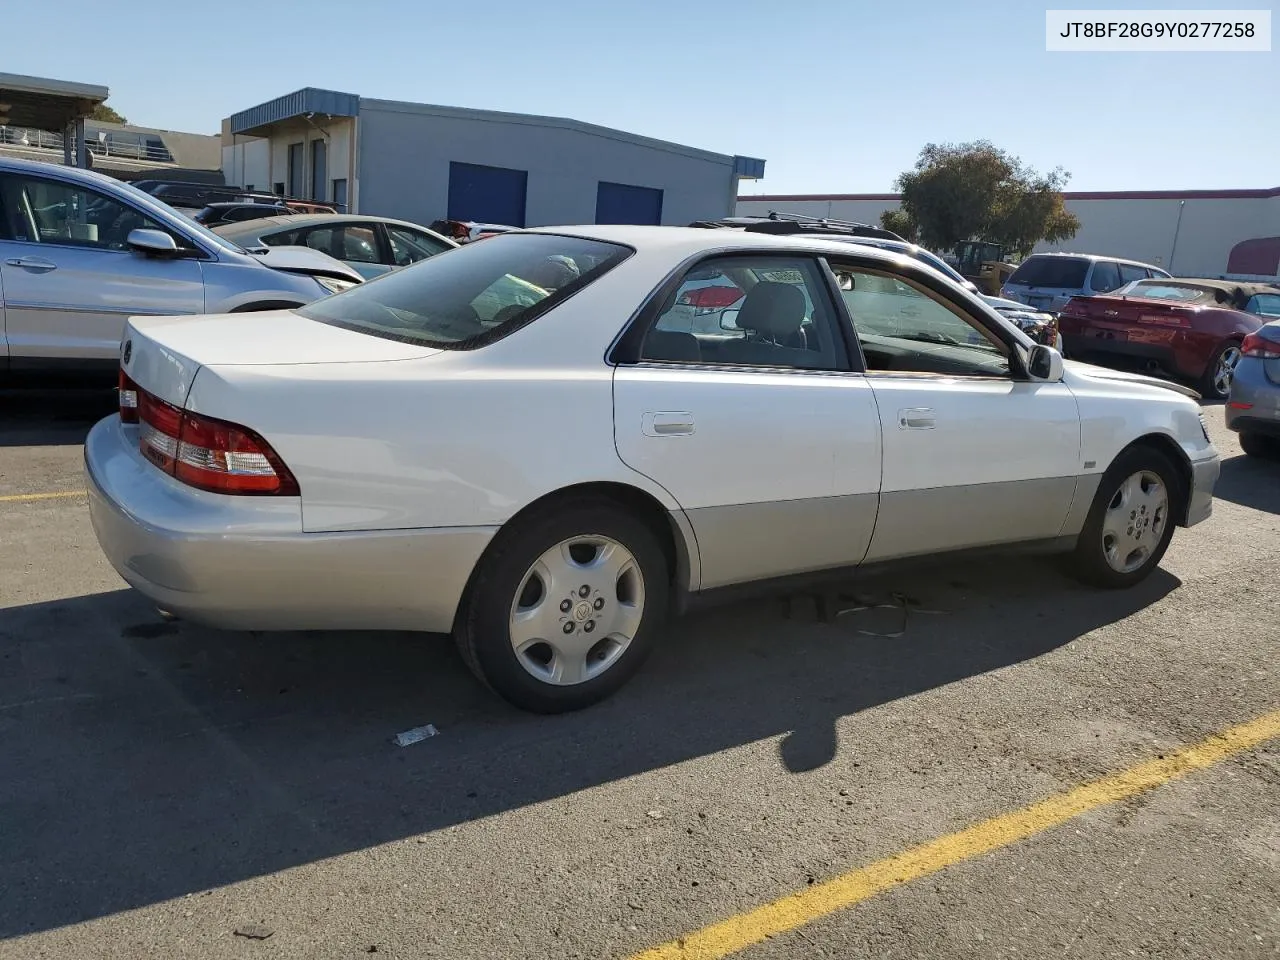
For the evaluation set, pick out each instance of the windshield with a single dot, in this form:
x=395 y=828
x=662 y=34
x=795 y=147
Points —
x=473 y=295
x=1066 y=272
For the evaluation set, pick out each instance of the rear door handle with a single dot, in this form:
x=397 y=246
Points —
x=667 y=423
x=32 y=263
x=917 y=418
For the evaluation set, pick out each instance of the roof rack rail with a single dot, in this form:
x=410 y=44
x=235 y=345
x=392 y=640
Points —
x=824 y=221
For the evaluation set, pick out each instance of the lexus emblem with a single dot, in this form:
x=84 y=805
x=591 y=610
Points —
x=128 y=350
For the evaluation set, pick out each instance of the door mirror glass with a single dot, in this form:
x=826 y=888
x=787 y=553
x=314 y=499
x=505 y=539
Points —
x=154 y=243
x=1045 y=363
x=729 y=319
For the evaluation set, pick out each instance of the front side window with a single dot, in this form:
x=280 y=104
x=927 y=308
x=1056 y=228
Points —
x=478 y=294
x=1106 y=276
x=410 y=246
x=50 y=211
x=749 y=311
x=903 y=329
x=1264 y=304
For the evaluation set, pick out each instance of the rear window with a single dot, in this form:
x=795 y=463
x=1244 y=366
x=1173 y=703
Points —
x=476 y=294
x=1051 y=272
x=1178 y=292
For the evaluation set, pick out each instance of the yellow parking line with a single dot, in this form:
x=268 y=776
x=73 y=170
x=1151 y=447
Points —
x=60 y=495
x=793 y=911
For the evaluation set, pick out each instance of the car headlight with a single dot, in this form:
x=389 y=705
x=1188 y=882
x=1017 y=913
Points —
x=334 y=285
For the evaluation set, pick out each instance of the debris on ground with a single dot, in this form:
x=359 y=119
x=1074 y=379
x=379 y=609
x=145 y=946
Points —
x=413 y=736
x=254 y=931
x=655 y=814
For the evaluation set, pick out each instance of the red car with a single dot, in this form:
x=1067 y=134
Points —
x=1189 y=329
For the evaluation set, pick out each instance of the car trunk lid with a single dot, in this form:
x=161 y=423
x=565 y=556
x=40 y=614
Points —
x=163 y=354
x=1124 y=318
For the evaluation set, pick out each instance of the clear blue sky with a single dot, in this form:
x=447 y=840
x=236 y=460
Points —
x=837 y=95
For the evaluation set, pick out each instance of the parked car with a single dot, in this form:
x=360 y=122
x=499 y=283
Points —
x=1039 y=326
x=518 y=443
x=369 y=245
x=81 y=252
x=1186 y=328
x=216 y=214
x=1046 y=281
x=1253 y=404
x=465 y=231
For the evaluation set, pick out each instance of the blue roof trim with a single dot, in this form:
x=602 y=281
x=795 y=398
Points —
x=296 y=104
x=749 y=168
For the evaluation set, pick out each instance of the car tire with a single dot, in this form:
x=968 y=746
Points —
x=565 y=605
x=1259 y=445
x=1213 y=385
x=1122 y=542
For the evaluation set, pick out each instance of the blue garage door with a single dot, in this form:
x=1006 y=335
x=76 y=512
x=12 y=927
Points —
x=487 y=194
x=621 y=203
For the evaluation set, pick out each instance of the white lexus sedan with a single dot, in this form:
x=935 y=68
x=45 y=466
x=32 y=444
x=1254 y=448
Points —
x=546 y=442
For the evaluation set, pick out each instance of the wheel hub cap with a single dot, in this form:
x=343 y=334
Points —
x=1134 y=523
x=577 y=610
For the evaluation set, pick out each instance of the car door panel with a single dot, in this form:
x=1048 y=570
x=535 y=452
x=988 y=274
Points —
x=970 y=462
x=777 y=471
x=76 y=308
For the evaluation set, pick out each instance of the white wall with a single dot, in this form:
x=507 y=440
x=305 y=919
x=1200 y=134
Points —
x=247 y=162
x=1136 y=229
x=405 y=151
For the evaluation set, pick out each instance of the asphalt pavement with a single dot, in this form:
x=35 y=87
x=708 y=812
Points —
x=172 y=791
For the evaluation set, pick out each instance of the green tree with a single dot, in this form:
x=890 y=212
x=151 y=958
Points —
x=103 y=112
x=900 y=222
x=976 y=191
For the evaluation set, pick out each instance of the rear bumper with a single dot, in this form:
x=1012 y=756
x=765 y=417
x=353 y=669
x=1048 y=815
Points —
x=244 y=562
x=1204 y=475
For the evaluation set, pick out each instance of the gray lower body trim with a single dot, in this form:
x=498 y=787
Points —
x=914 y=522
x=1086 y=489
x=757 y=541
x=1204 y=475
x=227 y=563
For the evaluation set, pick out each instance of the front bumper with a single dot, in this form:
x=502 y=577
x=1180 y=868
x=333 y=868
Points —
x=1204 y=475
x=244 y=563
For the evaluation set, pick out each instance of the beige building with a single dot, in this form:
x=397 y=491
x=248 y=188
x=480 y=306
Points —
x=1188 y=232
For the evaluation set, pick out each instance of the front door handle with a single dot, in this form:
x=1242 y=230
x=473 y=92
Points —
x=32 y=263
x=667 y=424
x=917 y=418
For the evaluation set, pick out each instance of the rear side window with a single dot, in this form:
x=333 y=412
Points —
x=1106 y=276
x=1066 y=272
x=476 y=295
x=1130 y=273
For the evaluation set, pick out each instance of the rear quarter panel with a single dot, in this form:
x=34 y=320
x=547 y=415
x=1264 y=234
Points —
x=442 y=442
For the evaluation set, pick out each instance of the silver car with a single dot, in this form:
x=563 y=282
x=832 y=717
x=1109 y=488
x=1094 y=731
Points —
x=80 y=253
x=1046 y=281
x=371 y=246
x=1253 y=405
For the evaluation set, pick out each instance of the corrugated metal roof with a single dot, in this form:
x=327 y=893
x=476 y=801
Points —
x=749 y=168
x=296 y=104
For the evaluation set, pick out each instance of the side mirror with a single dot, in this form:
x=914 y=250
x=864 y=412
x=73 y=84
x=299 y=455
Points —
x=1045 y=363
x=729 y=319
x=153 y=243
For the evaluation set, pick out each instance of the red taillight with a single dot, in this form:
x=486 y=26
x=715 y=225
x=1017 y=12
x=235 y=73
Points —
x=128 y=392
x=1256 y=345
x=209 y=454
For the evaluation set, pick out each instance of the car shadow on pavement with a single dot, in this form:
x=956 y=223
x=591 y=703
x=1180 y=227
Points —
x=144 y=760
x=52 y=413
x=1251 y=482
